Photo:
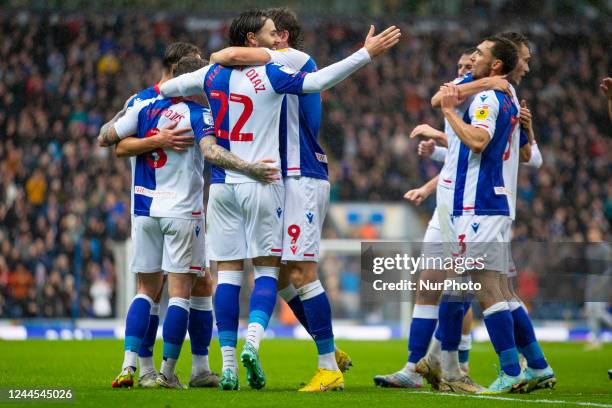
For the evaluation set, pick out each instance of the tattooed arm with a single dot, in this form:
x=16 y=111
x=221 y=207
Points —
x=107 y=136
x=260 y=170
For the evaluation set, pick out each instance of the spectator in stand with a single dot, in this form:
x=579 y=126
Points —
x=63 y=201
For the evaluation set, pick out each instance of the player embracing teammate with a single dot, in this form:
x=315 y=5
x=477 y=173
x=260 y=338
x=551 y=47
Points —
x=246 y=216
x=305 y=175
x=505 y=316
x=168 y=227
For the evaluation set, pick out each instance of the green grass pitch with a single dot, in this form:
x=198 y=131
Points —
x=88 y=367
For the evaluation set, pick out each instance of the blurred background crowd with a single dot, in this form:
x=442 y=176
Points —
x=64 y=201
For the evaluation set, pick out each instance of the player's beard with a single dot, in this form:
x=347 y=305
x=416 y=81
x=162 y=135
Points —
x=481 y=71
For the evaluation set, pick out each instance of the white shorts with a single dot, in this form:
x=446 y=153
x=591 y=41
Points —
x=512 y=272
x=444 y=208
x=306 y=204
x=484 y=237
x=245 y=220
x=207 y=264
x=168 y=244
x=432 y=241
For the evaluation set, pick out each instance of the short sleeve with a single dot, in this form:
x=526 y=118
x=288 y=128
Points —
x=483 y=111
x=202 y=123
x=284 y=80
x=131 y=101
x=294 y=59
x=467 y=78
x=127 y=125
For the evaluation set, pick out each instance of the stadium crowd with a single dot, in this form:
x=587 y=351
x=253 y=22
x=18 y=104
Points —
x=63 y=200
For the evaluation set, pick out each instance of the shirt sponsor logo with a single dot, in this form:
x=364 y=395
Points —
x=154 y=193
x=482 y=112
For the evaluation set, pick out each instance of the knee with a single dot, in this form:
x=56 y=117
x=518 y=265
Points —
x=302 y=273
x=203 y=286
x=180 y=285
x=151 y=285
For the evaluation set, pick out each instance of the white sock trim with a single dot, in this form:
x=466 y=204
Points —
x=310 y=290
x=155 y=309
x=425 y=312
x=466 y=342
x=180 y=302
x=203 y=303
x=288 y=293
x=498 y=307
x=145 y=297
x=269 y=271
x=513 y=305
x=230 y=278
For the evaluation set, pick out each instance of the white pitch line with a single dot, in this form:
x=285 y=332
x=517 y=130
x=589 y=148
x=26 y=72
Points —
x=538 y=401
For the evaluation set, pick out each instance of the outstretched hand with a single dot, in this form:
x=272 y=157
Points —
x=377 y=44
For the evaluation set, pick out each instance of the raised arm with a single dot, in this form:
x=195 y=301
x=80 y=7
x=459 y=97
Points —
x=498 y=83
x=474 y=137
x=329 y=76
x=261 y=170
x=188 y=84
x=526 y=130
x=241 y=56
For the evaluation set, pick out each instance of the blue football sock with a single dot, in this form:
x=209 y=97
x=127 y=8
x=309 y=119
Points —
x=464 y=356
x=146 y=347
x=526 y=340
x=200 y=324
x=227 y=306
x=318 y=313
x=136 y=322
x=422 y=326
x=175 y=327
x=450 y=321
x=290 y=295
x=500 y=326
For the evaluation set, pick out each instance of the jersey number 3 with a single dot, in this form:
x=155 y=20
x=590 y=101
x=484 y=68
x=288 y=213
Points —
x=156 y=158
x=235 y=135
